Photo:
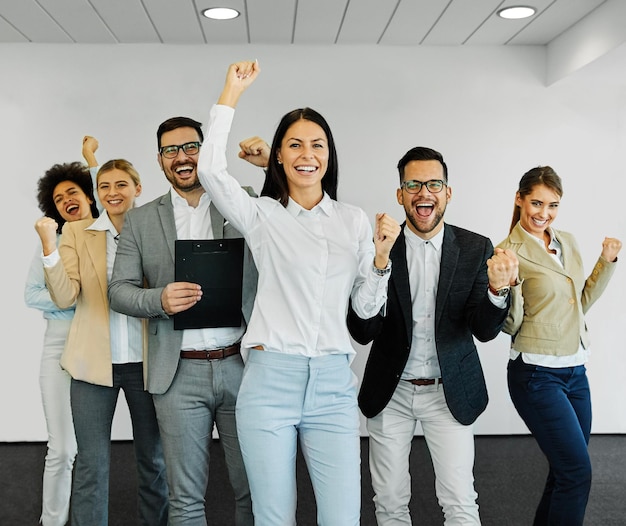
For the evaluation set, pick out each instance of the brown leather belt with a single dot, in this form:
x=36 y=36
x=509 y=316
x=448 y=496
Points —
x=215 y=354
x=425 y=381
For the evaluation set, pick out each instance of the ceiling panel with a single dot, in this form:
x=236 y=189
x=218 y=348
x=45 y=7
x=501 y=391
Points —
x=319 y=21
x=459 y=21
x=412 y=21
x=496 y=30
x=360 y=26
x=175 y=22
x=323 y=22
x=134 y=27
x=271 y=21
x=555 y=19
x=28 y=21
x=81 y=22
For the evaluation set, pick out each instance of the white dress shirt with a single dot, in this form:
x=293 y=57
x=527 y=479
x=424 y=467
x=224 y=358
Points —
x=423 y=258
x=310 y=262
x=195 y=223
x=126 y=331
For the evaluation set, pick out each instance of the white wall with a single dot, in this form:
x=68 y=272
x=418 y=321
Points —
x=488 y=110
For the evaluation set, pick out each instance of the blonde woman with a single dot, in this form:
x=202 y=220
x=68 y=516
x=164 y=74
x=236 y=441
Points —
x=103 y=354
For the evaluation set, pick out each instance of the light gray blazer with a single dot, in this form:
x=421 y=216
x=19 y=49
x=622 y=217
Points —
x=144 y=265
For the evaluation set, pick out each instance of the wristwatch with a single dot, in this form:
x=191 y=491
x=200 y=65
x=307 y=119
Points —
x=382 y=271
x=503 y=292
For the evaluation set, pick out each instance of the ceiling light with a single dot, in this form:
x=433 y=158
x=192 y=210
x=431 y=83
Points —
x=220 y=13
x=517 y=12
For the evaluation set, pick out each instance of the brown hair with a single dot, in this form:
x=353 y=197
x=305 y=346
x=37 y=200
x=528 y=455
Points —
x=540 y=175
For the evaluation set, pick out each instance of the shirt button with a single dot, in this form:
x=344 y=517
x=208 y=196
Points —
x=572 y=301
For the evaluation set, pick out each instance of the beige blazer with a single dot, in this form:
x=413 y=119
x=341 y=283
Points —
x=81 y=277
x=548 y=307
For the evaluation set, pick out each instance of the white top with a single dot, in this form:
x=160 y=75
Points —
x=126 y=331
x=423 y=258
x=310 y=262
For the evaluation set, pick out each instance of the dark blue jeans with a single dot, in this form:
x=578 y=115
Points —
x=93 y=407
x=555 y=404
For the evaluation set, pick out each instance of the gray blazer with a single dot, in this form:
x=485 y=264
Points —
x=144 y=265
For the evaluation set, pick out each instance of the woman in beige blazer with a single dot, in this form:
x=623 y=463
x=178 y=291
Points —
x=103 y=354
x=550 y=344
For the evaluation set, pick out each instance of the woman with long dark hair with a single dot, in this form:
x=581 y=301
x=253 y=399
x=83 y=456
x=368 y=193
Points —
x=313 y=254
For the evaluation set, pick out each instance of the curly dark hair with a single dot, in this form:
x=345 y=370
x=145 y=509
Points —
x=77 y=173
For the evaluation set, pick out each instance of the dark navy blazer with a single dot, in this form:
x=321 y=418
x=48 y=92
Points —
x=463 y=311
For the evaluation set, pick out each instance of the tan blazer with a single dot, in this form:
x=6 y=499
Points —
x=548 y=307
x=81 y=277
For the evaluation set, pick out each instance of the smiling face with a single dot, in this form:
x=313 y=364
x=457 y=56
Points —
x=304 y=155
x=424 y=210
x=181 y=170
x=538 y=209
x=117 y=191
x=71 y=202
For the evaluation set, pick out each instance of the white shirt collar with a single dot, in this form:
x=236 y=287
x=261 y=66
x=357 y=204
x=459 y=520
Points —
x=325 y=205
x=180 y=202
x=103 y=223
x=413 y=238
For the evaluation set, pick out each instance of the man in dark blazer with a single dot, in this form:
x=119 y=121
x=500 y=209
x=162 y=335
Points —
x=447 y=286
x=193 y=374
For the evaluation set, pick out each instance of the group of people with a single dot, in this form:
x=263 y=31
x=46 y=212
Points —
x=315 y=273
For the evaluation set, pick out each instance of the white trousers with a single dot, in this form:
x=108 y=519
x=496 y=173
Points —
x=451 y=447
x=54 y=383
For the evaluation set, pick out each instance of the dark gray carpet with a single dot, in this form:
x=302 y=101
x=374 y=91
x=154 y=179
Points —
x=509 y=473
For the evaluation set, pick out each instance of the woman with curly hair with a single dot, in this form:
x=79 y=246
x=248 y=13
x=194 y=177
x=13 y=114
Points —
x=64 y=193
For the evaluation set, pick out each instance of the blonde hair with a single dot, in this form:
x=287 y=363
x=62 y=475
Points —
x=120 y=164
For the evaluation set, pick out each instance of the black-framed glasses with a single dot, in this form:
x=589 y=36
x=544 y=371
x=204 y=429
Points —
x=434 y=186
x=171 y=151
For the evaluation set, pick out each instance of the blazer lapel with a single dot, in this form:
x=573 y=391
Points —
x=400 y=282
x=449 y=259
x=532 y=251
x=95 y=241
x=168 y=223
x=217 y=222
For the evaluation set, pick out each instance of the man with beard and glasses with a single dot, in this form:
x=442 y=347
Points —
x=447 y=287
x=193 y=374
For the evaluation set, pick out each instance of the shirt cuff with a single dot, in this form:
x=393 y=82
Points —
x=51 y=259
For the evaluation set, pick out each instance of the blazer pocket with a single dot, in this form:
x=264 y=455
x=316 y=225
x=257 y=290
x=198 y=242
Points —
x=540 y=331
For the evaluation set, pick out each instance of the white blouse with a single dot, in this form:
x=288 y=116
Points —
x=310 y=262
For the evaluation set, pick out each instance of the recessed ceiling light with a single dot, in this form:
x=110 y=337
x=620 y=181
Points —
x=517 y=12
x=220 y=13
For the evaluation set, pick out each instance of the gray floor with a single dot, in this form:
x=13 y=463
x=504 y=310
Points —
x=509 y=473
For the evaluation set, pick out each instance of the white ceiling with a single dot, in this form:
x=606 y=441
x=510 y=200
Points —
x=312 y=22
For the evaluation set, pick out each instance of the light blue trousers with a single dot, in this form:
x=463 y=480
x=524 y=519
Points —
x=286 y=397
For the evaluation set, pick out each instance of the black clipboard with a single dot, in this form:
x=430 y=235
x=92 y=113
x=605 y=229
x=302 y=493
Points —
x=217 y=266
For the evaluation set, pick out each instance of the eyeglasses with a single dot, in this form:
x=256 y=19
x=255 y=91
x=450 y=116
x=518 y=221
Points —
x=171 y=151
x=434 y=186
